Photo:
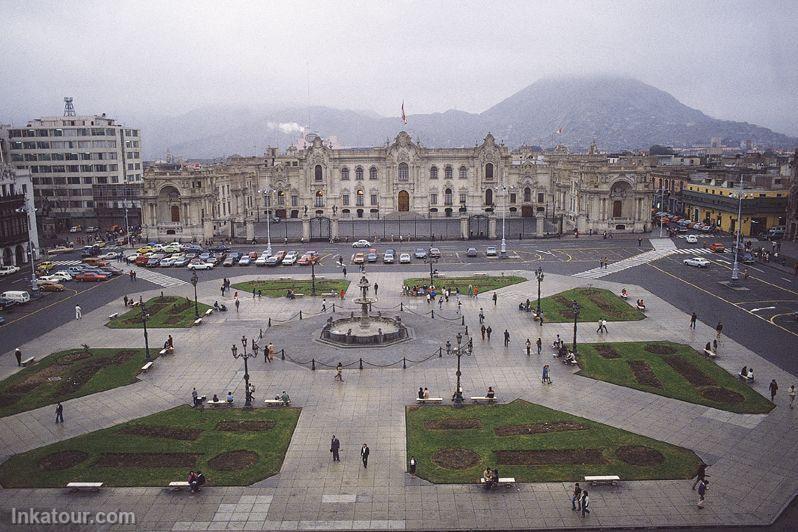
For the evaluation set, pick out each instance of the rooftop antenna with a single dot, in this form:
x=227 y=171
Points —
x=69 y=109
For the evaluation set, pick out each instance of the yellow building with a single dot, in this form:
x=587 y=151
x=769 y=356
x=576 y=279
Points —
x=718 y=205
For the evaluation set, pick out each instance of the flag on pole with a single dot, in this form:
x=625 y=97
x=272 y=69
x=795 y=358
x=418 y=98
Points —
x=404 y=116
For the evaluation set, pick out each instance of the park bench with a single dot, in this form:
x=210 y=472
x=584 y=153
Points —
x=276 y=402
x=483 y=399
x=90 y=486
x=299 y=295
x=28 y=361
x=642 y=309
x=602 y=479
x=623 y=296
x=747 y=378
x=209 y=312
x=507 y=482
x=480 y=275
x=220 y=402
x=198 y=321
x=429 y=400
x=135 y=304
x=200 y=400
x=179 y=485
x=710 y=353
x=146 y=366
x=329 y=294
x=113 y=316
x=167 y=351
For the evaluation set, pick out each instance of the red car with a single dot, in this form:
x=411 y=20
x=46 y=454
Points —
x=90 y=276
x=717 y=247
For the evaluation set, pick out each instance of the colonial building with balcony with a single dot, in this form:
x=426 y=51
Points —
x=16 y=217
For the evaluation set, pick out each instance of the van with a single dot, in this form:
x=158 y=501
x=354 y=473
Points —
x=18 y=296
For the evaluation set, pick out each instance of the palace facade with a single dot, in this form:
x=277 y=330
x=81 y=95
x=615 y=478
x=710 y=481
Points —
x=585 y=192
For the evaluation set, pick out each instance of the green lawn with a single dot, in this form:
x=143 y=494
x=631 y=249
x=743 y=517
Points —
x=69 y=374
x=279 y=287
x=484 y=283
x=708 y=377
x=599 y=439
x=269 y=447
x=165 y=312
x=594 y=303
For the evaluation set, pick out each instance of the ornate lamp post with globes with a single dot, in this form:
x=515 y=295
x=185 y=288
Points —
x=460 y=350
x=194 y=281
x=539 y=277
x=246 y=356
x=575 y=308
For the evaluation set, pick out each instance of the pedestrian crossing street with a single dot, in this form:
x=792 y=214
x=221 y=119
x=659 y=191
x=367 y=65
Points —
x=151 y=276
x=663 y=247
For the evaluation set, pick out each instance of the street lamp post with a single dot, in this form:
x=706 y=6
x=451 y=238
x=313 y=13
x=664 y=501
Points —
x=34 y=285
x=460 y=350
x=503 y=248
x=267 y=201
x=539 y=277
x=246 y=356
x=194 y=281
x=661 y=205
x=144 y=317
x=313 y=276
x=430 y=260
x=575 y=308
x=735 y=275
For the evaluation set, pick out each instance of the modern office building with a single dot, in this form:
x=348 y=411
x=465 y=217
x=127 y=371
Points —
x=84 y=169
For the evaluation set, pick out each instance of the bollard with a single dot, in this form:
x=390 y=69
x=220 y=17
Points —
x=282 y=351
x=300 y=314
x=270 y=322
x=466 y=331
x=333 y=307
x=313 y=364
x=432 y=314
x=260 y=334
x=351 y=315
x=404 y=363
x=361 y=363
x=440 y=352
x=462 y=320
x=401 y=307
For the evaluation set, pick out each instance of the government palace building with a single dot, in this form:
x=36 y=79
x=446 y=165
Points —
x=550 y=191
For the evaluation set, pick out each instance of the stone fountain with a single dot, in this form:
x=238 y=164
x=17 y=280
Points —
x=365 y=329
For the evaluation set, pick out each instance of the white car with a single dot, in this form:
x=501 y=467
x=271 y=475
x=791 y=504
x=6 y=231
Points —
x=404 y=258
x=45 y=279
x=168 y=262
x=109 y=255
x=200 y=265
x=698 y=262
x=361 y=244
x=171 y=248
x=490 y=251
x=8 y=270
x=261 y=261
x=290 y=258
x=691 y=239
x=63 y=275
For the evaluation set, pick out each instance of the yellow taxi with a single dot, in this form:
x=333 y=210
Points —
x=145 y=249
x=45 y=266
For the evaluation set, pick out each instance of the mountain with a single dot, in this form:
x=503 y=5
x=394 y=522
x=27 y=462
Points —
x=618 y=113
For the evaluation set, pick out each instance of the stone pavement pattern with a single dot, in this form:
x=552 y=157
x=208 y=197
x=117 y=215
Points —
x=753 y=474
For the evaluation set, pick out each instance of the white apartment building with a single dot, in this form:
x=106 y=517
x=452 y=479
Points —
x=85 y=169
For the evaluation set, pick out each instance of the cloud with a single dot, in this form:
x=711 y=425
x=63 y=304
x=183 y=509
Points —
x=286 y=127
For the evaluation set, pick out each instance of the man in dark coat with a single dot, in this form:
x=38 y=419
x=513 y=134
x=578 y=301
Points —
x=364 y=454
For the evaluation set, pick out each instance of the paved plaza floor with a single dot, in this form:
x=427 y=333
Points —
x=753 y=470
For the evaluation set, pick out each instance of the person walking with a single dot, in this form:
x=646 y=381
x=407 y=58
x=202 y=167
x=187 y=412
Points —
x=364 y=455
x=335 y=446
x=481 y=316
x=488 y=331
x=482 y=331
x=701 y=475
x=238 y=302
x=343 y=270
x=342 y=293
x=791 y=394
x=540 y=318
x=339 y=372
x=124 y=299
x=222 y=289
x=528 y=347
x=718 y=330
x=324 y=304
x=376 y=288
x=18 y=355
x=440 y=303
x=495 y=298
x=546 y=379
x=413 y=466
x=576 y=503
x=773 y=387
x=639 y=242
x=585 y=503
x=539 y=344
x=59 y=413
x=604 y=325
x=78 y=312
x=599 y=330
x=693 y=319
x=702 y=491
x=506 y=338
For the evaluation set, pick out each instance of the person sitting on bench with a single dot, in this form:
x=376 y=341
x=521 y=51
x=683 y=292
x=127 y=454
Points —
x=570 y=358
x=284 y=398
x=488 y=476
x=229 y=397
x=708 y=347
x=624 y=293
x=215 y=398
x=420 y=392
x=220 y=308
x=290 y=294
x=491 y=394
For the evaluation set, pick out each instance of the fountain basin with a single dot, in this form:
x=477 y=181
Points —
x=375 y=331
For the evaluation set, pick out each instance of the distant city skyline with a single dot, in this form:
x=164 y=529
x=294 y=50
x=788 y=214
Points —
x=732 y=60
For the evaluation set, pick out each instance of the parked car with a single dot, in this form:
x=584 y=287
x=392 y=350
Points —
x=152 y=263
x=2 y=320
x=90 y=229
x=8 y=270
x=45 y=266
x=229 y=261
x=404 y=258
x=219 y=248
x=75 y=229
x=308 y=258
x=717 y=247
x=167 y=262
x=45 y=279
x=698 y=262
x=63 y=275
x=490 y=251
x=358 y=258
x=180 y=262
x=372 y=256
x=59 y=249
x=6 y=304
x=389 y=256
x=263 y=260
x=90 y=277
x=420 y=253
x=361 y=244
x=691 y=239
x=245 y=261
x=111 y=270
x=18 y=296
x=51 y=287
x=471 y=252
x=290 y=258
x=199 y=265
x=435 y=253
x=141 y=260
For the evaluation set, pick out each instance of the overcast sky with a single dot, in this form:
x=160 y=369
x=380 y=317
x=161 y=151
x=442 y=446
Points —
x=731 y=59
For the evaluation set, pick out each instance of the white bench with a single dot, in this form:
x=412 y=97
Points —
x=483 y=399
x=746 y=378
x=113 y=316
x=276 y=402
x=146 y=366
x=220 y=402
x=198 y=321
x=429 y=400
x=624 y=296
x=503 y=481
x=299 y=295
x=642 y=309
x=710 y=354
x=135 y=304
x=91 y=486
x=328 y=294
x=28 y=361
x=179 y=485
x=602 y=479
x=209 y=312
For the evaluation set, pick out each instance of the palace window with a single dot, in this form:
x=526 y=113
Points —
x=527 y=195
x=373 y=173
x=359 y=198
x=359 y=173
x=374 y=199
x=294 y=200
x=281 y=198
x=447 y=197
x=463 y=174
x=463 y=198
x=433 y=199
x=489 y=171
x=344 y=174
x=513 y=197
x=345 y=199
x=318 y=175
x=540 y=197
x=404 y=172
x=319 y=197
x=447 y=172
x=433 y=172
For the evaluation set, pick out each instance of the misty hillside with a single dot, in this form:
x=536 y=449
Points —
x=617 y=113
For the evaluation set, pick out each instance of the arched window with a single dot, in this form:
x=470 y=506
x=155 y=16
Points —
x=319 y=196
x=359 y=198
x=359 y=173
x=318 y=176
x=489 y=171
x=344 y=174
x=489 y=197
x=463 y=174
x=433 y=172
x=447 y=197
x=527 y=195
x=404 y=172
x=373 y=172
x=447 y=172
x=175 y=211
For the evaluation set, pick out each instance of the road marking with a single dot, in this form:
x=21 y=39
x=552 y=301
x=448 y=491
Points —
x=546 y=252
x=763 y=308
x=765 y=282
x=778 y=316
x=723 y=261
x=757 y=269
x=788 y=280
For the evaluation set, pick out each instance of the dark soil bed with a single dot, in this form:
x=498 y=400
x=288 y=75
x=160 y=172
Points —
x=689 y=372
x=598 y=299
x=72 y=358
x=551 y=457
x=538 y=428
x=451 y=423
x=147 y=460
x=233 y=460
x=639 y=455
x=83 y=374
x=170 y=433
x=722 y=395
x=455 y=458
x=563 y=301
x=659 y=349
x=643 y=373
x=607 y=351
x=62 y=460
x=245 y=426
